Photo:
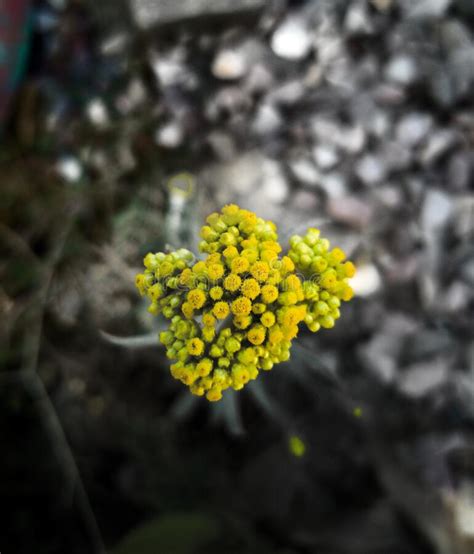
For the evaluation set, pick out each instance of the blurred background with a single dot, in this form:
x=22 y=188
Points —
x=123 y=123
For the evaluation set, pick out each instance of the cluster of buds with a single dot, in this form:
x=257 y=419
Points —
x=236 y=312
x=325 y=275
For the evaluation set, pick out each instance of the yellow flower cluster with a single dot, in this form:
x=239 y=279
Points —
x=161 y=280
x=236 y=312
x=326 y=278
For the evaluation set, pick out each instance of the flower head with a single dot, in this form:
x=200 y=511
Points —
x=232 y=282
x=241 y=306
x=236 y=312
x=197 y=298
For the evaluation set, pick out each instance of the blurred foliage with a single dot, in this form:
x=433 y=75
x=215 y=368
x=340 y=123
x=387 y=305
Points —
x=173 y=534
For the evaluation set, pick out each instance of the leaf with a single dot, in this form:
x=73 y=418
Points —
x=183 y=406
x=135 y=342
x=264 y=400
x=177 y=533
x=227 y=411
x=315 y=363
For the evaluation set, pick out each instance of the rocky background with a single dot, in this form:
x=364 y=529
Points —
x=356 y=116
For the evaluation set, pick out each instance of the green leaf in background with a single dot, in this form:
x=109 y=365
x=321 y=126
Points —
x=178 y=533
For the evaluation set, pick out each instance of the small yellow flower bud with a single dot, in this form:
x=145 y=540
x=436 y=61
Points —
x=258 y=308
x=250 y=288
x=349 y=269
x=232 y=345
x=232 y=282
x=187 y=310
x=216 y=293
x=297 y=447
x=239 y=264
x=195 y=347
x=269 y=293
x=215 y=271
x=256 y=335
x=230 y=252
x=241 y=306
x=214 y=394
x=208 y=320
x=221 y=310
x=196 y=298
x=268 y=319
x=204 y=367
x=260 y=271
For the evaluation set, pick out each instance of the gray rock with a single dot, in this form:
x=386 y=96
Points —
x=352 y=139
x=396 y=157
x=382 y=5
x=250 y=176
x=133 y=98
x=456 y=297
x=241 y=175
x=333 y=184
x=367 y=280
x=461 y=66
x=401 y=69
x=425 y=9
x=288 y=93
x=436 y=210
x=454 y=35
x=467 y=272
x=324 y=129
x=349 y=138
x=326 y=157
x=114 y=44
x=463 y=216
x=381 y=353
x=357 y=20
x=441 y=86
x=439 y=144
x=390 y=196
x=97 y=113
x=267 y=120
x=235 y=59
x=147 y=13
x=350 y=210
x=413 y=128
x=378 y=123
x=223 y=145
x=170 y=135
x=371 y=169
x=329 y=44
x=274 y=186
x=292 y=40
x=229 y=99
x=389 y=94
x=70 y=169
x=169 y=67
x=460 y=171
x=400 y=271
x=229 y=64
x=259 y=79
x=463 y=513
x=420 y=379
x=304 y=201
x=305 y=171
x=428 y=343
